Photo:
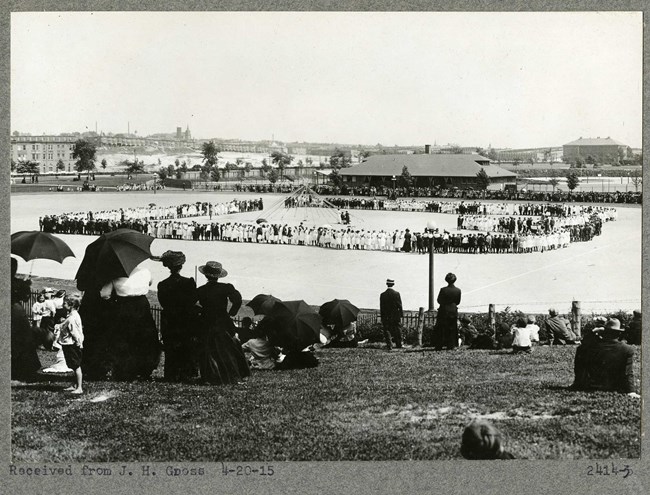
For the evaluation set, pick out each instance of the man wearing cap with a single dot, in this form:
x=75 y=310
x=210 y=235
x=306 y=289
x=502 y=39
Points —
x=605 y=364
x=557 y=331
x=177 y=296
x=390 y=308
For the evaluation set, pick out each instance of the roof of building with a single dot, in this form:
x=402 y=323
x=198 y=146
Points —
x=595 y=142
x=423 y=165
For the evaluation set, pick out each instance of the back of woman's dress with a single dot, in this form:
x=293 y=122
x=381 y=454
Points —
x=221 y=359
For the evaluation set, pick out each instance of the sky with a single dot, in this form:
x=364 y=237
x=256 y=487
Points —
x=509 y=80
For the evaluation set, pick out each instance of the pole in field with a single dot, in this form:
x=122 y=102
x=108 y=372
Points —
x=431 y=225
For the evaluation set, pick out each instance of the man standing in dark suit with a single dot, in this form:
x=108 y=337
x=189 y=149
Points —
x=605 y=364
x=177 y=296
x=390 y=307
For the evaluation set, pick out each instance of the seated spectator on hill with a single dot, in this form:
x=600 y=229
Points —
x=467 y=331
x=482 y=441
x=344 y=337
x=247 y=329
x=557 y=331
x=521 y=338
x=592 y=331
x=484 y=339
x=633 y=334
x=504 y=336
x=533 y=329
x=261 y=354
x=605 y=364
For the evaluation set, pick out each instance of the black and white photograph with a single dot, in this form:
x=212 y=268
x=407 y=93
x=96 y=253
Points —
x=245 y=240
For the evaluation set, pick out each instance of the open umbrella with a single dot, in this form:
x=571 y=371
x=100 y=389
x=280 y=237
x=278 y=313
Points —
x=339 y=312
x=32 y=245
x=296 y=324
x=112 y=255
x=262 y=304
x=261 y=220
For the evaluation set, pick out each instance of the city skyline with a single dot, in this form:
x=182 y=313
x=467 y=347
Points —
x=510 y=80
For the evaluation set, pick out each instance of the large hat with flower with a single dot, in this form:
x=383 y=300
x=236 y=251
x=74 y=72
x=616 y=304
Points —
x=213 y=270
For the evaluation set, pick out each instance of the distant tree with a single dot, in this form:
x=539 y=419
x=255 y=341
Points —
x=300 y=164
x=405 y=178
x=239 y=162
x=335 y=177
x=13 y=164
x=30 y=168
x=551 y=161
x=85 y=153
x=322 y=165
x=264 y=162
x=480 y=151
x=159 y=162
x=309 y=160
x=266 y=168
x=60 y=165
x=210 y=153
x=248 y=167
x=163 y=173
x=580 y=163
x=282 y=160
x=171 y=170
x=183 y=166
x=104 y=163
x=273 y=176
x=590 y=160
x=135 y=167
x=456 y=150
x=493 y=155
x=553 y=181
x=532 y=161
x=215 y=174
x=340 y=159
x=516 y=162
x=363 y=155
x=177 y=162
x=572 y=181
x=482 y=179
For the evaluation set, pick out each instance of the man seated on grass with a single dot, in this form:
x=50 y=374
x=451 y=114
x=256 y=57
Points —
x=557 y=331
x=605 y=363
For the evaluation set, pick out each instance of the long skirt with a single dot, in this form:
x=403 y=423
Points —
x=96 y=316
x=445 y=332
x=221 y=359
x=135 y=349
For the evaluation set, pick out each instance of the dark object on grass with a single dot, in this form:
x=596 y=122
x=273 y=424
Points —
x=296 y=325
x=296 y=360
x=338 y=312
x=482 y=441
x=262 y=304
x=33 y=245
x=261 y=220
x=113 y=255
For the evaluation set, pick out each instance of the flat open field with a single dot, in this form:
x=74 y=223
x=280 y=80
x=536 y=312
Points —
x=604 y=274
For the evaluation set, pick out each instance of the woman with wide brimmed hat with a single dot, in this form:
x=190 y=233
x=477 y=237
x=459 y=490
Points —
x=177 y=296
x=221 y=359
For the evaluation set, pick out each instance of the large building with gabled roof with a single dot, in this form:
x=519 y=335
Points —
x=445 y=170
x=602 y=150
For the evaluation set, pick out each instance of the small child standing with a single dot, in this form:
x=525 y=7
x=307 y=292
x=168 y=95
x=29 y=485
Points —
x=71 y=339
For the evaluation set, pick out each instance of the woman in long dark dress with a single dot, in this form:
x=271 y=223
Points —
x=446 y=329
x=135 y=346
x=24 y=358
x=177 y=296
x=221 y=359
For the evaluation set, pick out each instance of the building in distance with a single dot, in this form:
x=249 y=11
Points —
x=426 y=170
x=601 y=150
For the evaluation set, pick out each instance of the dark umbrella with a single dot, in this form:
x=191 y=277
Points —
x=32 y=245
x=339 y=312
x=261 y=220
x=296 y=324
x=262 y=303
x=114 y=254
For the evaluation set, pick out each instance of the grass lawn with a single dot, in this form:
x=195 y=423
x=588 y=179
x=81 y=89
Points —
x=359 y=404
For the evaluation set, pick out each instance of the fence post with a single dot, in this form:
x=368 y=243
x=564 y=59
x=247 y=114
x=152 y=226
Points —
x=492 y=319
x=576 y=313
x=420 y=325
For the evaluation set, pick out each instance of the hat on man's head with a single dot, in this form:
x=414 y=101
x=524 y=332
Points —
x=213 y=270
x=600 y=321
x=390 y=282
x=613 y=324
x=172 y=259
x=465 y=319
x=552 y=311
x=530 y=319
